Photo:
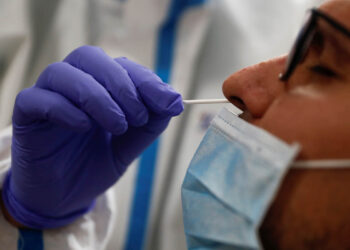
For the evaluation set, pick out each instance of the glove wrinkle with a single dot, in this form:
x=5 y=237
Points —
x=76 y=132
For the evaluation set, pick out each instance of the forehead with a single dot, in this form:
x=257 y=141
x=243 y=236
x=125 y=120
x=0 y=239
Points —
x=339 y=10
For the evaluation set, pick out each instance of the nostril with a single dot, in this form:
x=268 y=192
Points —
x=238 y=102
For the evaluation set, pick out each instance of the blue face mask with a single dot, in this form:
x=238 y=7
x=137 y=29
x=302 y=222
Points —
x=231 y=182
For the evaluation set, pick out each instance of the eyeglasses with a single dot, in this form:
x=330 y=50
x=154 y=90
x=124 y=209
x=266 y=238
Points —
x=304 y=39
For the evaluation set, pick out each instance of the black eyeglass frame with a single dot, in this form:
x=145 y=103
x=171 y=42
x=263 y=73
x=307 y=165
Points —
x=304 y=38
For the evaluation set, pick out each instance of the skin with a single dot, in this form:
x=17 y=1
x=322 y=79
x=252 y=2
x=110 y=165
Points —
x=8 y=216
x=312 y=207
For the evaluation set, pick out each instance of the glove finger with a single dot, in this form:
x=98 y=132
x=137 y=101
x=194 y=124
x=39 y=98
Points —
x=35 y=104
x=157 y=95
x=85 y=92
x=95 y=62
x=129 y=146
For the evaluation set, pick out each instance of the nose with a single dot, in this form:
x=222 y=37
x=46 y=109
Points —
x=254 y=88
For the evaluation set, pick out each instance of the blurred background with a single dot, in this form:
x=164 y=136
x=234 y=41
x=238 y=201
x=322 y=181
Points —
x=193 y=45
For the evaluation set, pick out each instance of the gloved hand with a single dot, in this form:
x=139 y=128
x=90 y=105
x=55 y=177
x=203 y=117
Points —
x=76 y=131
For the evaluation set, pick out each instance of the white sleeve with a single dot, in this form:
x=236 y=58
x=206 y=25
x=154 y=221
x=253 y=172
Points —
x=5 y=152
x=91 y=231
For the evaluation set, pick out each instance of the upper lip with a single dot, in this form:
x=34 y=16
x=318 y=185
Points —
x=246 y=115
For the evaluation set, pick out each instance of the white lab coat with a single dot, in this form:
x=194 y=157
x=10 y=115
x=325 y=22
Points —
x=212 y=40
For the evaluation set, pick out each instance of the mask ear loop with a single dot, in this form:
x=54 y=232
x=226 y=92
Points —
x=322 y=164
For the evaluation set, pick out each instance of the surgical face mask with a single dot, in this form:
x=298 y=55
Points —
x=231 y=181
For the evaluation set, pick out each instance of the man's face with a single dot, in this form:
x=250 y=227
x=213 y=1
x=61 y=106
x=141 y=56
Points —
x=312 y=108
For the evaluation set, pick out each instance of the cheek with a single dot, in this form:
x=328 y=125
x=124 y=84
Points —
x=320 y=126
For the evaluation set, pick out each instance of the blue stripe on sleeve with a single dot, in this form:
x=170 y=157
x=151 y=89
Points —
x=142 y=196
x=30 y=239
x=146 y=172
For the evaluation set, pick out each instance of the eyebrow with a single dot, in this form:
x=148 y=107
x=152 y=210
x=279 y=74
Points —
x=332 y=22
x=339 y=40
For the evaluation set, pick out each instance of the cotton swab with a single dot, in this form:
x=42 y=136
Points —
x=205 y=101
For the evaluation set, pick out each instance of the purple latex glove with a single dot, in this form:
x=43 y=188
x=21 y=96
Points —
x=76 y=131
